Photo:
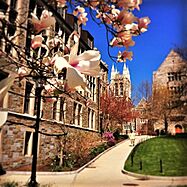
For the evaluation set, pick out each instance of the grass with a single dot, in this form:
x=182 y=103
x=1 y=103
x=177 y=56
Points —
x=171 y=151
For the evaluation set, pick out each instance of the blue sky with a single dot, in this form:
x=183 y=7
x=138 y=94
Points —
x=168 y=29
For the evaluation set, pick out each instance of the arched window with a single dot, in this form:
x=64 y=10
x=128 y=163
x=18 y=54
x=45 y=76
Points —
x=121 y=88
x=116 y=89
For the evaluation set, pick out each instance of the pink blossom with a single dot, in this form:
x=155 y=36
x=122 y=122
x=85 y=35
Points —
x=129 y=4
x=46 y=20
x=36 y=41
x=78 y=10
x=94 y=3
x=74 y=65
x=124 y=55
x=126 y=17
x=62 y=3
x=143 y=23
x=82 y=19
x=22 y=71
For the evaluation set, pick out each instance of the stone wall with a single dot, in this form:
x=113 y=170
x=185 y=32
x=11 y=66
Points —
x=13 y=138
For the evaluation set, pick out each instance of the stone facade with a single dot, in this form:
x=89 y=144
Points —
x=172 y=74
x=75 y=114
x=120 y=85
x=142 y=120
x=15 y=151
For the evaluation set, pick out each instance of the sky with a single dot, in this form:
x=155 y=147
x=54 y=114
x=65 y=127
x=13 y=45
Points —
x=167 y=30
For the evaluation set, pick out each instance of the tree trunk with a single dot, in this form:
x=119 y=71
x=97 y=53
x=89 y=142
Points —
x=165 y=124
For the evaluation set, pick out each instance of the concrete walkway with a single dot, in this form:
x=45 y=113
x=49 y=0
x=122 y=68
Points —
x=105 y=171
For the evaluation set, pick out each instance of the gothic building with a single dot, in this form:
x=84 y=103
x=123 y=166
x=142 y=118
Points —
x=172 y=74
x=76 y=115
x=120 y=84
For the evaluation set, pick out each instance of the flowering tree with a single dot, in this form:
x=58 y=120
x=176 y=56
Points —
x=118 y=18
x=118 y=110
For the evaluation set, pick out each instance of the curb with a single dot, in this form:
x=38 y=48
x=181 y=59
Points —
x=148 y=177
x=64 y=172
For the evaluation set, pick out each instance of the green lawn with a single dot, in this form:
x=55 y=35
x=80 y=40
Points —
x=171 y=150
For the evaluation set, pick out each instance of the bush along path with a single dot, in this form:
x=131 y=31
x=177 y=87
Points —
x=161 y=156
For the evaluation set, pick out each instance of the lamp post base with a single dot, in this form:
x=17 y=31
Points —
x=33 y=183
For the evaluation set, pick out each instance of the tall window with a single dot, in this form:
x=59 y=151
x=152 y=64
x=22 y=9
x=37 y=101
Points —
x=80 y=115
x=174 y=76
x=93 y=89
x=28 y=91
x=77 y=114
x=121 y=89
x=11 y=28
x=3 y=75
x=91 y=119
x=62 y=114
x=116 y=89
x=28 y=143
x=54 y=109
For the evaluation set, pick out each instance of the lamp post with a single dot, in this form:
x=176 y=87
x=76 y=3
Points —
x=33 y=182
x=101 y=123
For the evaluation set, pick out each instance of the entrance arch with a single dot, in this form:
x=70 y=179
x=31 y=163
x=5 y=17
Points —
x=178 y=129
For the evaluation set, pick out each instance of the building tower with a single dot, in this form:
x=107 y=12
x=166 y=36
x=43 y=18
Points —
x=120 y=84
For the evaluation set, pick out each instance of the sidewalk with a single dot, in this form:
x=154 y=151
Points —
x=105 y=170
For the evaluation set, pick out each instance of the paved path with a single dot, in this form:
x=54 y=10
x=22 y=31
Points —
x=104 y=172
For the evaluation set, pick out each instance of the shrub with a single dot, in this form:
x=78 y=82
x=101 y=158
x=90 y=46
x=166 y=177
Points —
x=10 y=184
x=97 y=150
x=116 y=135
x=108 y=136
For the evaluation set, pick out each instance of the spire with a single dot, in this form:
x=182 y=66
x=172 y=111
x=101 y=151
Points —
x=126 y=73
x=113 y=72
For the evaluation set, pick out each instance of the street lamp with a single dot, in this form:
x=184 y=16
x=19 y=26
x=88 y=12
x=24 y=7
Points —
x=32 y=181
x=101 y=123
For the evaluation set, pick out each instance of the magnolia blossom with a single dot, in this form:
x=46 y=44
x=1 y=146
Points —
x=78 y=10
x=73 y=77
x=36 y=41
x=62 y=3
x=143 y=23
x=122 y=56
x=129 y=4
x=126 y=17
x=122 y=41
x=74 y=65
x=94 y=3
x=81 y=15
x=82 y=19
x=46 y=20
x=22 y=71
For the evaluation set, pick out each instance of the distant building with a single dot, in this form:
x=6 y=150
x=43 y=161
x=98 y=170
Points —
x=142 y=119
x=120 y=85
x=172 y=74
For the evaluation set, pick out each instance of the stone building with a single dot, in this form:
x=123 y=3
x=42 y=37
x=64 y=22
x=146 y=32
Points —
x=120 y=85
x=172 y=74
x=75 y=115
